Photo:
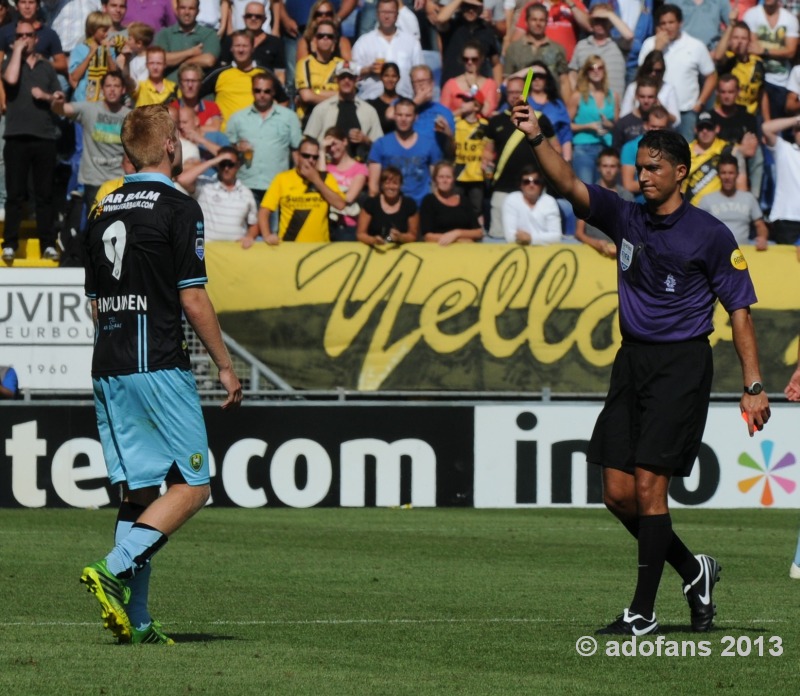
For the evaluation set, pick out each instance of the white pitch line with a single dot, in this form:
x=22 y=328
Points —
x=345 y=622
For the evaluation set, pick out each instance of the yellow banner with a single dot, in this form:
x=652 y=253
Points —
x=487 y=317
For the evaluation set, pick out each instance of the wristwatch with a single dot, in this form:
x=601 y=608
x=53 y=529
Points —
x=536 y=139
x=754 y=389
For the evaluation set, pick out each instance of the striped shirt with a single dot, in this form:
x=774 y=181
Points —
x=227 y=212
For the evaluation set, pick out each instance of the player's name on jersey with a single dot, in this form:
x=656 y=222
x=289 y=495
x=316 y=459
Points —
x=117 y=303
x=123 y=201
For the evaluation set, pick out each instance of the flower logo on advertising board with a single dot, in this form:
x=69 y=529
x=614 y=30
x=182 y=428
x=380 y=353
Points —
x=767 y=472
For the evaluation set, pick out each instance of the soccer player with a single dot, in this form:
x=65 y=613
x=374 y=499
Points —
x=674 y=262
x=144 y=269
x=792 y=392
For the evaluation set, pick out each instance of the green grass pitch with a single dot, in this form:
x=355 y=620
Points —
x=375 y=601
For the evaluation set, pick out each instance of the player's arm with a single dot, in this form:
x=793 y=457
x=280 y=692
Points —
x=553 y=165
x=201 y=315
x=792 y=390
x=755 y=407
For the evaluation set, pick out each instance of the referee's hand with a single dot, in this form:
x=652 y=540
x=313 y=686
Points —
x=755 y=410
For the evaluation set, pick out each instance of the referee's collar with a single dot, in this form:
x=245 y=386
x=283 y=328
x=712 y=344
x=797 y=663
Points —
x=148 y=176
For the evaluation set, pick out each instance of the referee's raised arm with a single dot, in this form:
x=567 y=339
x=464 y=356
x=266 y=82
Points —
x=551 y=163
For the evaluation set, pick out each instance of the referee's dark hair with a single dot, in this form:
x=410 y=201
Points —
x=669 y=144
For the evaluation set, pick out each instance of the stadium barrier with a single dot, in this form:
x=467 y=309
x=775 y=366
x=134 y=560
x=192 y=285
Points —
x=410 y=454
x=468 y=317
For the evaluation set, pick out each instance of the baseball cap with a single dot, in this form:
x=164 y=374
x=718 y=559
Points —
x=705 y=118
x=347 y=67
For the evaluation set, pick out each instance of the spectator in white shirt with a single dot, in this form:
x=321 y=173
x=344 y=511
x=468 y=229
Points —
x=687 y=60
x=386 y=43
x=775 y=32
x=229 y=207
x=530 y=216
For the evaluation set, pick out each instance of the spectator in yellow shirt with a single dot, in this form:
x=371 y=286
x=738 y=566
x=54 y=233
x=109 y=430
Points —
x=156 y=89
x=303 y=197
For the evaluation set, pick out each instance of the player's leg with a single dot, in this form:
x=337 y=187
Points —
x=654 y=536
x=794 y=570
x=619 y=496
x=132 y=506
x=674 y=384
x=112 y=593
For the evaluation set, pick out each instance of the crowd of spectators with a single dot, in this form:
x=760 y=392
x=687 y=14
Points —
x=388 y=121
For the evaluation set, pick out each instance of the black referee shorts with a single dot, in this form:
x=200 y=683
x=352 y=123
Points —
x=656 y=408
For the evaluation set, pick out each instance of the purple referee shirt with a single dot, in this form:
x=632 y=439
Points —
x=671 y=268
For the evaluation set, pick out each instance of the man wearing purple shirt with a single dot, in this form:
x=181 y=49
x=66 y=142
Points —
x=159 y=14
x=673 y=262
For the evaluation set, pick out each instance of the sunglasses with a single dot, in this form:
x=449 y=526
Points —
x=470 y=59
x=597 y=66
x=323 y=14
x=309 y=156
x=539 y=76
x=326 y=36
x=253 y=15
x=531 y=181
x=227 y=164
x=256 y=90
x=705 y=126
x=25 y=34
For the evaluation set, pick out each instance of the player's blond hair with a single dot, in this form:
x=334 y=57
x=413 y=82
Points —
x=144 y=132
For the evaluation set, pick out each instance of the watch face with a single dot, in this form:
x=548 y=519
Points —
x=755 y=388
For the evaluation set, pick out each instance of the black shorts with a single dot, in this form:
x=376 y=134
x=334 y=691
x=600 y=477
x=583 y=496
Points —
x=656 y=408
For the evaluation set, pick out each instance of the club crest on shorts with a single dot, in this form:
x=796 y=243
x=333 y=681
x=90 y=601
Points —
x=196 y=461
x=625 y=254
x=200 y=248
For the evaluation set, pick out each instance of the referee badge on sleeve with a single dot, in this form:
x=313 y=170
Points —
x=738 y=261
x=200 y=248
x=625 y=254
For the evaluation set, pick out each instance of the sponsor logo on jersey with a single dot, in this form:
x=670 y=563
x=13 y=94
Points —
x=625 y=254
x=738 y=260
x=200 y=248
x=196 y=461
x=670 y=283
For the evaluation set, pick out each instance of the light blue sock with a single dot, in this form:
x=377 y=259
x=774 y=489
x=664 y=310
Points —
x=139 y=584
x=133 y=551
x=137 y=609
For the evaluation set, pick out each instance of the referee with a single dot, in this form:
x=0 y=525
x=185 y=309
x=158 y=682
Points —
x=674 y=262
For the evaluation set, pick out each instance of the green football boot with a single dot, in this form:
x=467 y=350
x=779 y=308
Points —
x=152 y=634
x=113 y=594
